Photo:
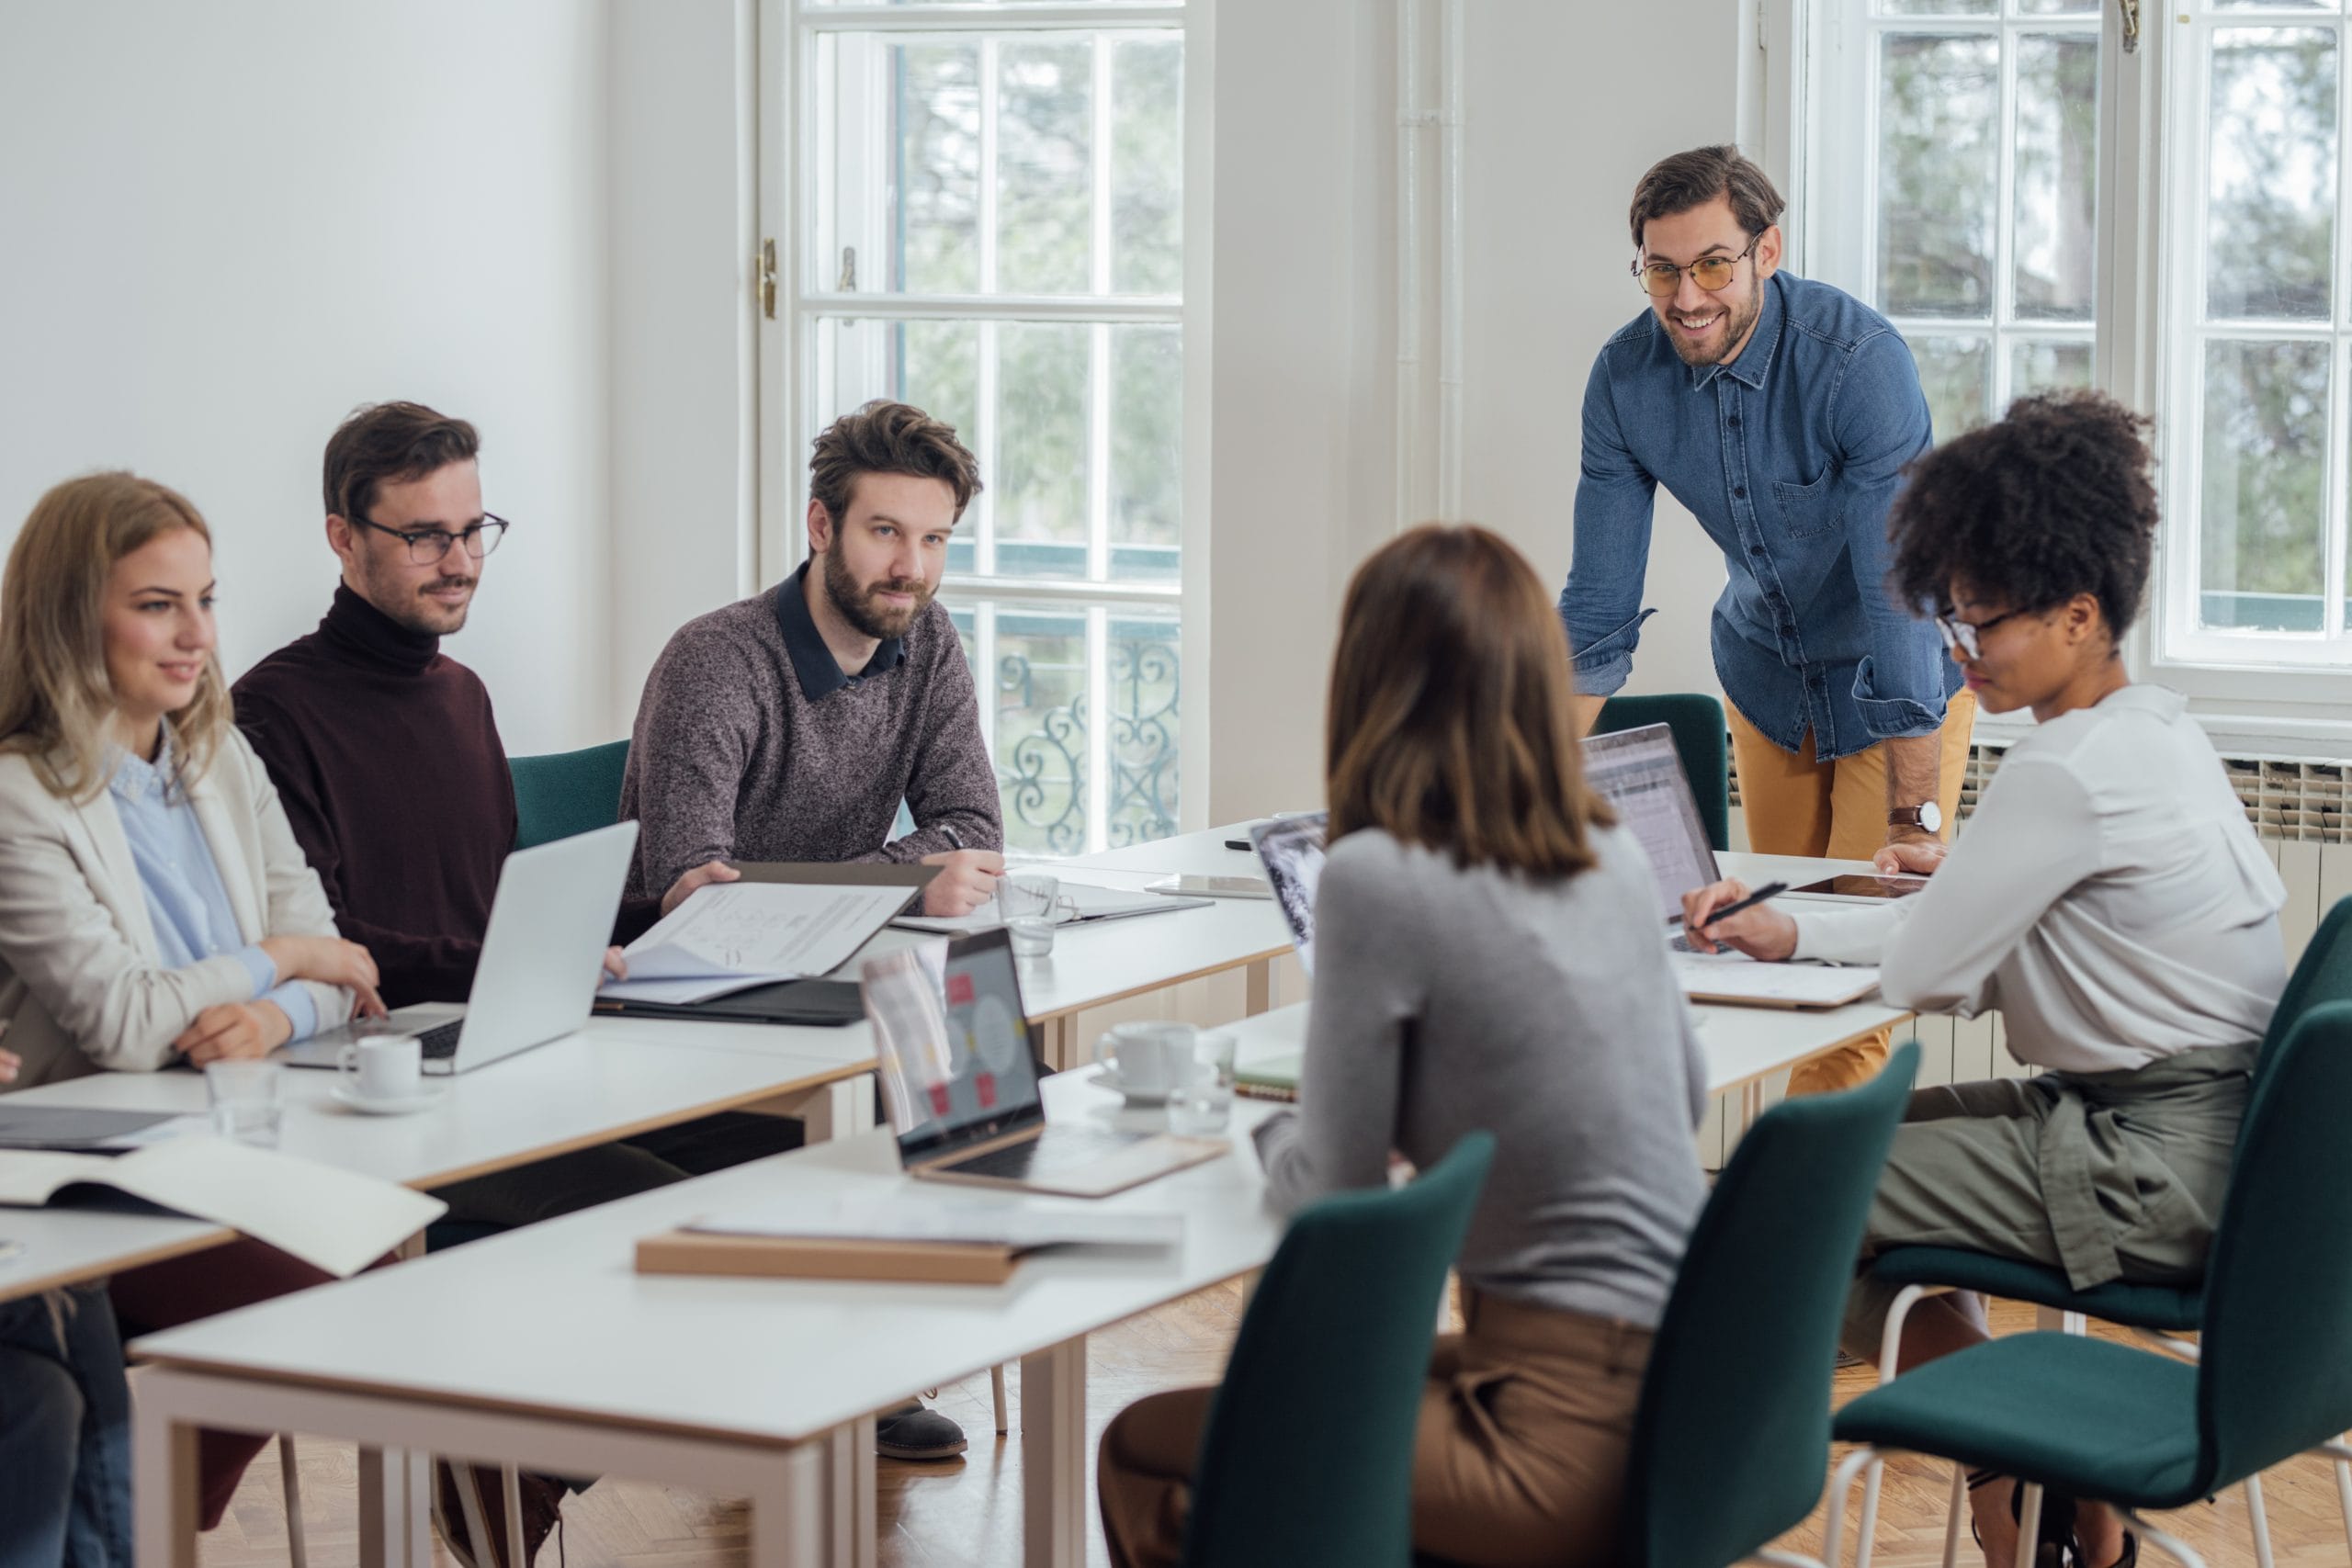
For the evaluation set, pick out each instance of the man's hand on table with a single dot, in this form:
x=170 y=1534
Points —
x=1911 y=853
x=966 y=880
x=1761 y=932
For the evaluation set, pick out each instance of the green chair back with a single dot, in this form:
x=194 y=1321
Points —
x=1308 y=1457
x=2274 y=1361
x=565 y=792
x=2323 y=975
x=1732 y=1436
x=1697 y=721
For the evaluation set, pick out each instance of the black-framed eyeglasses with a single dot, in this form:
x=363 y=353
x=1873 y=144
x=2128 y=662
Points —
x=426 y=546
x=1663 y=279
x=1963 y=637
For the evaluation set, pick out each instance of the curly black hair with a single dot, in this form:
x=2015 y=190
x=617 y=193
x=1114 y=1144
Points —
x=2055 y=500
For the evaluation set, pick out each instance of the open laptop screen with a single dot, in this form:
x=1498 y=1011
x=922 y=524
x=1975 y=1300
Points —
x=1640 y=773
x=1291 y=849
x=958 y=1057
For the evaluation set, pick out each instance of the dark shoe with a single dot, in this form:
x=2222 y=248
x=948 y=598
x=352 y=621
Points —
x=2054 y=1543
x=912 y=1432
x=542 y=1505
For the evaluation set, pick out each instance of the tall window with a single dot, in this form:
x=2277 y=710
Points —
x=991 y=201
x=2259 y=321
x=1950 y=155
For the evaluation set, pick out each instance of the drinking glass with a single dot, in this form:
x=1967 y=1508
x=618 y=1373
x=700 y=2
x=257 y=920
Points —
x=1031 y=902
x=247 y=1107
x=1200 y=1098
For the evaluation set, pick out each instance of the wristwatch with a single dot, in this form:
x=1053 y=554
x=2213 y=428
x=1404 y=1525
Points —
x=1926 y=817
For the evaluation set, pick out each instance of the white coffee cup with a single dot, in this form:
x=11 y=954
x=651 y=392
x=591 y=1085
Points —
x=383 y=1066
x=1147 y=1054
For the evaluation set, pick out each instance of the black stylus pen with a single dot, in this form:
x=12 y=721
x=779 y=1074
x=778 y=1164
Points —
x=1770 y=890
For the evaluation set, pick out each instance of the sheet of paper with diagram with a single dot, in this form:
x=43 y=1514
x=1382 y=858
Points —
x=727 y=938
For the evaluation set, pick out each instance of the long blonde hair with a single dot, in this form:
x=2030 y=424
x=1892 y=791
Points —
x=56 y=703
x=1450 y=723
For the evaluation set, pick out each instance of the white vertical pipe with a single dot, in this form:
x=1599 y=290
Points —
x=1408 y=261
x=1449 y=278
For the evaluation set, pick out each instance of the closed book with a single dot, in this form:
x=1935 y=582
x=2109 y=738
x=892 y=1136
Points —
x=1274 y=1079
x=830 y=1257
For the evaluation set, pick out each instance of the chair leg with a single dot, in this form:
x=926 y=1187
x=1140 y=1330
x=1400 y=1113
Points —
x=2029 y=1525
x=2258 y=1519
x=2178 y=1548
x=296 y=1549
x=1890 y=1345
x=1952 y=1515
x=1842 y=1481
x=995 y=1391
x=2343 y=1487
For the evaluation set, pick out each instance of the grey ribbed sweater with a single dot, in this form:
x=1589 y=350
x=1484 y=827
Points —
x=733 y=759
x=1449 y=1000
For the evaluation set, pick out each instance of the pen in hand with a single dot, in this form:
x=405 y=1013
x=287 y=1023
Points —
x=1770 y=890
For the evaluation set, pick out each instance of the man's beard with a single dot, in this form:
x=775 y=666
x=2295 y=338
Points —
x=857 y=605
x=427 y=617
x=1736 y=324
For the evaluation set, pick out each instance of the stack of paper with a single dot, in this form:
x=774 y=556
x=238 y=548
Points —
x=1087 y=902
x=1736 y=978
x=728 y=937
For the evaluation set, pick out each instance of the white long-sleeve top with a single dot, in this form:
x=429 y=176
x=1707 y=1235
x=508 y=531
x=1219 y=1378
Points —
x=2108 y=897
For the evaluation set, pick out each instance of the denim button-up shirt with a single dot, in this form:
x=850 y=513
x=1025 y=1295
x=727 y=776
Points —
x=1789 y=457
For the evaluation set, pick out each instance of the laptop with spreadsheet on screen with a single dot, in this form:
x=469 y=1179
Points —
x=1640 y=773
x=959 y=1080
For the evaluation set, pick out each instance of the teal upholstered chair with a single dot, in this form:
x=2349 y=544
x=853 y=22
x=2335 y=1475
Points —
x=1697 y=721
x=1341 y=1328
x=2273 y=1378
x=2159 y=1312
x=566 y=792
x=1731 y=1437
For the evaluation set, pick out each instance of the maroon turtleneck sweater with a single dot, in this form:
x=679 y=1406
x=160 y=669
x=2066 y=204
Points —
x=386 y=758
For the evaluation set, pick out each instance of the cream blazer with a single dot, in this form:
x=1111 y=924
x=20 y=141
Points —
x=82 y=987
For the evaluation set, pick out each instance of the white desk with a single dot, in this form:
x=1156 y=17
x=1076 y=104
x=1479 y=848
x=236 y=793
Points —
x=743 y=1386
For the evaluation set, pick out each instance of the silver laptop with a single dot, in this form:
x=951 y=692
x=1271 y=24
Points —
x=959 y=1080
x=1640 y=773
x=541 y=961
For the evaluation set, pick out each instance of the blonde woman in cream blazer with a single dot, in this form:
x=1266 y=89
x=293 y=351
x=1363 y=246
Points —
x=83 y=985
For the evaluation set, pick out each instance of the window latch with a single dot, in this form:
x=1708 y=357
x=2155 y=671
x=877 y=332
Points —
x=767 y=279
x=848 y=284
x=2130 y=10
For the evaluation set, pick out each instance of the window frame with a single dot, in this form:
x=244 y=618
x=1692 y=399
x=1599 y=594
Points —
x=2296 y=707
x=788 y=186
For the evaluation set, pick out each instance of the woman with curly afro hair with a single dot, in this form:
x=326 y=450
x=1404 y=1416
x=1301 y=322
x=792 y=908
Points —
x=2109 y=897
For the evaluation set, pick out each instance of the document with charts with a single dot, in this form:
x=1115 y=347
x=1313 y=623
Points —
x=732 y=936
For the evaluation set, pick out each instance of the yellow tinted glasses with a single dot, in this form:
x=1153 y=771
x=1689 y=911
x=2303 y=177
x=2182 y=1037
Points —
x=1661 y=279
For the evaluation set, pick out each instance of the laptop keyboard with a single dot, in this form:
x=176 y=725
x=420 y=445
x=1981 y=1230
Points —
x=1062 y=1149
x=440 y=1041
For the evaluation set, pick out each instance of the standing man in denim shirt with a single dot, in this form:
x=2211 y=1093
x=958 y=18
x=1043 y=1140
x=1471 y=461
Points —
x=1782 y=413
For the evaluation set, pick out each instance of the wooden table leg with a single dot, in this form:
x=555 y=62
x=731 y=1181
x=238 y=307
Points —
x=1257 y=987
x=1052 y=1456
x=163 y=1476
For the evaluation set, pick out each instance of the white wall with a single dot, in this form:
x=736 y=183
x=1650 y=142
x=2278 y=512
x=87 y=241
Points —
x=222 y=226
x=683 y=229
x=1566 y=106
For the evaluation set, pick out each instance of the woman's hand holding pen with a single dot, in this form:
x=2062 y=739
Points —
x=1759 y=931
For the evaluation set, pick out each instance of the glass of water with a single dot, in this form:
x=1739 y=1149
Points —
x=247 y=1104
x=1201 y=1099
x=1031 y=902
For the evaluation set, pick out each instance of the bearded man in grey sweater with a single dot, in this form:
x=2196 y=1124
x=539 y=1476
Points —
x=789 y=726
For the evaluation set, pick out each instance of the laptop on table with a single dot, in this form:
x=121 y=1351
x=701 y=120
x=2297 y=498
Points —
x=960 y=1077
x=541 y=961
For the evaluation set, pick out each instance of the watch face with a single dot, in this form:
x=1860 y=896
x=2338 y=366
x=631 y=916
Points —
x=1931 y=818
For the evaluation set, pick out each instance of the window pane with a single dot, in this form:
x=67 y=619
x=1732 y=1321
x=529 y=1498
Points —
x=2261 y=515
x=1148 y=166
x=936 y=90
x=2057 y=174
x=2270 y=201
x=1038 y=690
x=1043 y=378
x=2059 y=7
x=1147 y=453
x=1938 y=8
x=1144 y=673
x=1938 y=160
x=1044 y=223
x=1955 y=374
x=2048 y=367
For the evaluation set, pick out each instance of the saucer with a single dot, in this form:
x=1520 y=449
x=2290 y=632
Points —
x=1144 y=1097
x=368 y=1106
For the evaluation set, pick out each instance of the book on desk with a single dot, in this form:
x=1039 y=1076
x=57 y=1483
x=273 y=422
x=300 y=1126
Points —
x=900 y=1236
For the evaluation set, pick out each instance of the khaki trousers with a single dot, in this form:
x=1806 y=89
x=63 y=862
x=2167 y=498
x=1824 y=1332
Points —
x=1520 y=1460
x=1796 y=805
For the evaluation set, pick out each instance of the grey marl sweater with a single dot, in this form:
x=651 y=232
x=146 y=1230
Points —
x=751 y=744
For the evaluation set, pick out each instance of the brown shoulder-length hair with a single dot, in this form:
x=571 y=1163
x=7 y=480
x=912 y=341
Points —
x=1450 y=724
x=56 y=703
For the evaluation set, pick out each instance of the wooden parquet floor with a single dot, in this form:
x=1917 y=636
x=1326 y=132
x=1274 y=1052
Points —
x=967 y=1514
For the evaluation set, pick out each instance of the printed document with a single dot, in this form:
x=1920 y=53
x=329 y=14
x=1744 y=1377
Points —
x=1734 y=977
x=727 y=937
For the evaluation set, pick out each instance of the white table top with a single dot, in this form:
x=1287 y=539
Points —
x=774 y=1360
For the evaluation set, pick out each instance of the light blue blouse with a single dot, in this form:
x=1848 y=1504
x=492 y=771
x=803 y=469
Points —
x=186 y=902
